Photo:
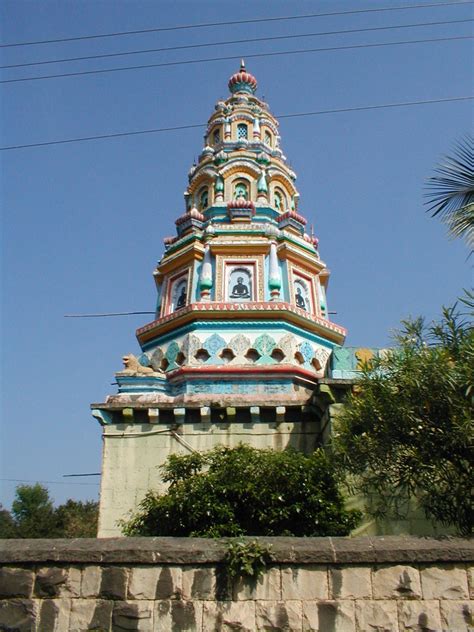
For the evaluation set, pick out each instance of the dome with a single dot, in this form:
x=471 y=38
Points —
x=241 y=203
x=242 y=81
x=193 y=213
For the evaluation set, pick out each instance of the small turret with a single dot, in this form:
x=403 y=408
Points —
x=242 y=81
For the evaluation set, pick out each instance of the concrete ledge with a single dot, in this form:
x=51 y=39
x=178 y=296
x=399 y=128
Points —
x=347 y=551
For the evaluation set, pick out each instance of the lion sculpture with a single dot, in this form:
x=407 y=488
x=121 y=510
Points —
x=133 y=367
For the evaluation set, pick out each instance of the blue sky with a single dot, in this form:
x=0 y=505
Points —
x=83 y=223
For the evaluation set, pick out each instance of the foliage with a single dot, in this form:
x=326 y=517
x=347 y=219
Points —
x=245 y=491
x=77 y=519
x=246 y=559
x=33 y=512
x=451 y=191
x=34 y=516
x=406 y=431
x=7 y=524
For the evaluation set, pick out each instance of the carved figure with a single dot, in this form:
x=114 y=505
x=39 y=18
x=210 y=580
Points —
x=133 y=367
x=182 y=298
x=240 y=290
x=300 y=302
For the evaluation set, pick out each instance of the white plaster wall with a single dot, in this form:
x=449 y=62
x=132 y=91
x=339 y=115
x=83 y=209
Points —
x=132 y=456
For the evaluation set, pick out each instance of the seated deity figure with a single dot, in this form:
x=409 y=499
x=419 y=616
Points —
x=299 y=298
x=240 y=290
x=181 y=302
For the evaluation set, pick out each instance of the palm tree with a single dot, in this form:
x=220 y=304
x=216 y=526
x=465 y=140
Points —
x=451 y=191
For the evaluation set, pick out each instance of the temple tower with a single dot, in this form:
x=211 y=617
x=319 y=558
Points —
x=242 y=334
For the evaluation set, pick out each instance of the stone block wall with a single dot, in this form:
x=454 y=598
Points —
x=380 y=584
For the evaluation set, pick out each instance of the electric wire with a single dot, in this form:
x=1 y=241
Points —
x=249 y=56
x=89 y=474
x=107 y=314
x=23 y=480
x=229 y=42
x=200 y=125
x=232 y=22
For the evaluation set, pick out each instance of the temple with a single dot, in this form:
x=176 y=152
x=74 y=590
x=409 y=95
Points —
x=240 y=347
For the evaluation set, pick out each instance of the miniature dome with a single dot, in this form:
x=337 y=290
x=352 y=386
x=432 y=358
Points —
x=292 y=215
x=242 y=81
x=193 y=213
x=241 y=203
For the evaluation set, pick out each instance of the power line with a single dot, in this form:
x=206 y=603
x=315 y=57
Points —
x=250 y=56
x=23 y=480
x=228 y=23
x=229 y=42
x=103 y=315
x=200 y=125
x=90 y=474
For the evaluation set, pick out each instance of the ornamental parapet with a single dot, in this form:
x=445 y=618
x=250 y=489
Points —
x=264 y=310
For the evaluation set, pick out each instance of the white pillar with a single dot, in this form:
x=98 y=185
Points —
x=205 y=280
x=274 y=278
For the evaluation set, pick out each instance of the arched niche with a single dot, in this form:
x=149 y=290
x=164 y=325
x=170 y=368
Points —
x=202 y=201
x=241 y=189
x=215 y=136
x=279 y=199
x=302 y=294
x=179 y=294
x=240 y=283
x=268 y=138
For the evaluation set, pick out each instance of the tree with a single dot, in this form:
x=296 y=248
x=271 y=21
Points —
x=33 y=516
x=76 y=519
x=451 y=191
x=245 y=491
x=405 y=433
x=33 y=512
x=7 y=524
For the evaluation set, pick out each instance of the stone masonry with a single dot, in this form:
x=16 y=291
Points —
x=379 y=584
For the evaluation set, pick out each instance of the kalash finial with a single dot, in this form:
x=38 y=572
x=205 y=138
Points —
x=242 y=81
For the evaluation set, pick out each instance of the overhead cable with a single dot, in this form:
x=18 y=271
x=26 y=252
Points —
x=200 y=125
x=106 y=314
x=23 y=480
x=229 y=42
x=232 y=22
x=249 y=56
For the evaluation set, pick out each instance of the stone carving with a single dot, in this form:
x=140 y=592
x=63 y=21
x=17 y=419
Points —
x=321 y=356
x=265 y=344
x=363 y=356
x=133 y=367
x=342 y=359
x=288 y=345
x=190 y=346
x=171 y=355
x=156 y=359
x=144 y=360
x=214 y=344
x=239 y=345
x=306 y=351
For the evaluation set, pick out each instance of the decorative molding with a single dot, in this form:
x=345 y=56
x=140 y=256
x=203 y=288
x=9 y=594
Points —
x=256 y=310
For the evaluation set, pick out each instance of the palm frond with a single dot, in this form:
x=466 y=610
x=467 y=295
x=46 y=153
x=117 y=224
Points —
x=451 y=190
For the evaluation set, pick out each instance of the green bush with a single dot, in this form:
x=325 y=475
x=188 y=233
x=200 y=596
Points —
x=405 y=434
x=245 y=491
x=247 y=559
